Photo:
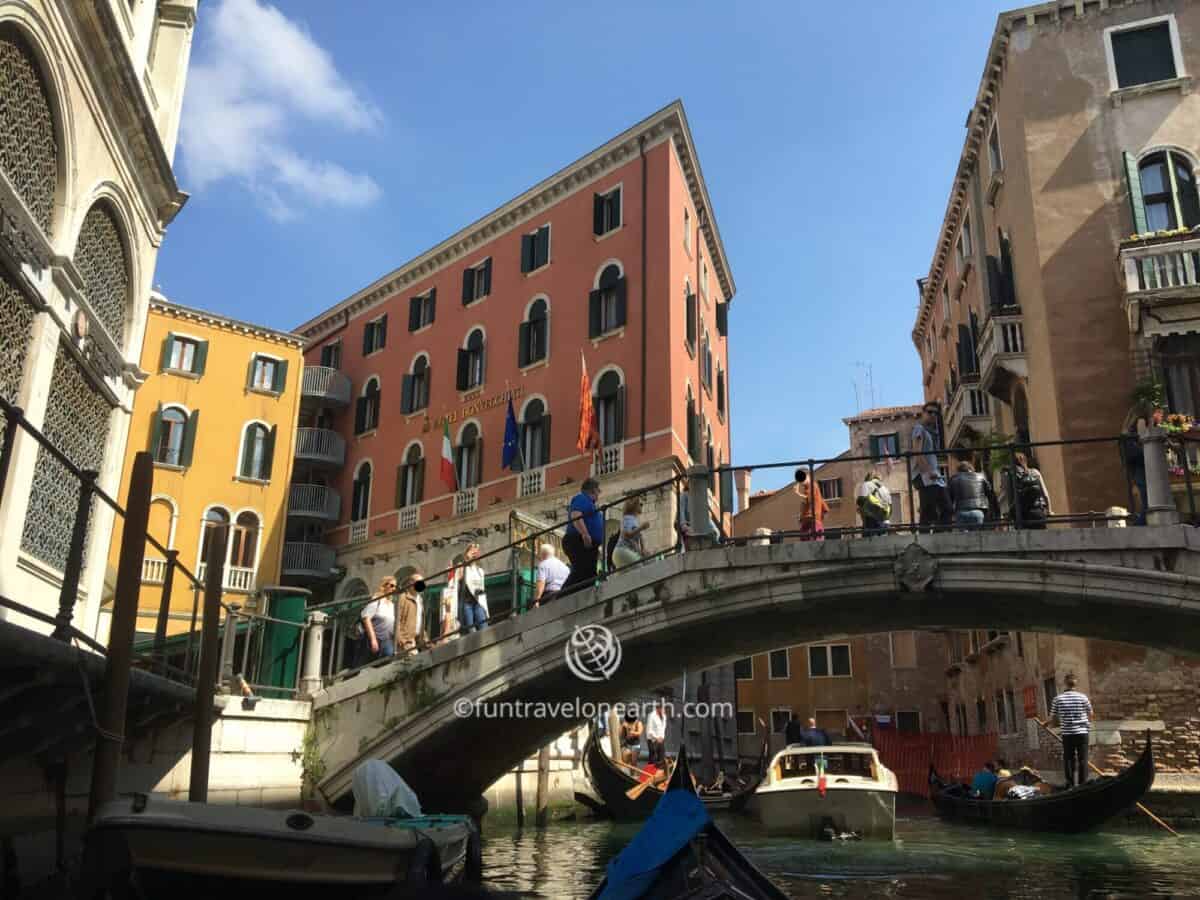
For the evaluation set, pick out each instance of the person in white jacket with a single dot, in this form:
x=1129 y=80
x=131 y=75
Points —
x=472 y=599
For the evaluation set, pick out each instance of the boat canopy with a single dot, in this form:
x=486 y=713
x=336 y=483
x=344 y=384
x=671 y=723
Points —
x=677 y=818
x=380 y=793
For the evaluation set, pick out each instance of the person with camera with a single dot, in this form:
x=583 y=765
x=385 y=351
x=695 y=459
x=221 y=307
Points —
x=936 y=506
x=409 y=637
x=472 y=600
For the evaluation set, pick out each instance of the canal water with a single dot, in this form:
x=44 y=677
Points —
x=930 y=859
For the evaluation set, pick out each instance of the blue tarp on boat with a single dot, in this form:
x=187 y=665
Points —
x=677 y=818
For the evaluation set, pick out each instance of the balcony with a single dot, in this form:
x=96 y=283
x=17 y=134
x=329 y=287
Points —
x=322 y=386
x=1162 y=284
x=154 y=570
x=609 y=459
x=531 y=482
x=314 y=501
x=408 y=518
x=359 y=531
x=967 y=412
x=235 y=579
x=320 y=446
x=307 y=561
x=466 y=502
x=1002 y=352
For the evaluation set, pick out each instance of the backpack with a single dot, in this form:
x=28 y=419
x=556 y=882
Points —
x=872 y=506
x=1131 y=451
x=1029 y=494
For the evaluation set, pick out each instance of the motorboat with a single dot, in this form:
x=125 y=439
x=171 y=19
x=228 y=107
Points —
x=146 y=846
x=836 y=791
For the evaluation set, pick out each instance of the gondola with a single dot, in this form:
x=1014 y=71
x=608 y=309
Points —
x=1069 y=811
x=679 y=853
x=612 y=781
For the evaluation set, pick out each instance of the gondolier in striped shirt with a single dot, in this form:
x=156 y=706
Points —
x=1073 y=711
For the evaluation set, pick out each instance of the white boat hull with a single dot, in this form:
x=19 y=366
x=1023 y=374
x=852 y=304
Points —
x=868 y=813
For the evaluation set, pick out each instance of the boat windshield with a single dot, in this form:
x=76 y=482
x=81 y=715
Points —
x=798 y=765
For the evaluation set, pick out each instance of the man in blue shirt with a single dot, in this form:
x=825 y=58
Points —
x=584 y=536
x=812 y=736
x=984 y=782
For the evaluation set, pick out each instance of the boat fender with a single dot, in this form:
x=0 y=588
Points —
x=474 y=863
x=424 y=866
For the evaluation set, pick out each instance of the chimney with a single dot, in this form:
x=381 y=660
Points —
x=741 y=483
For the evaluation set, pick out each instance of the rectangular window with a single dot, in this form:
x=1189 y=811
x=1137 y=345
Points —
x=964 y=241
x=908 y=721
x=267 y=374
x=780 y=719
x=829 y=660
x=779 y=664
x=477 y=282
x=981 y=714
x=904 y=649
x=885 y=446
x=331 y=355
x=745 y=721
x=743 y=669
x=1143 y=55
x=422 y=309
x=606 y=210
x=994 y=156
x=831 y=488
x=535 y=249
x=183 y=355
x=374 y=335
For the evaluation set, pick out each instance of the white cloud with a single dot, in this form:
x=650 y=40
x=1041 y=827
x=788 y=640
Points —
x=259 y=73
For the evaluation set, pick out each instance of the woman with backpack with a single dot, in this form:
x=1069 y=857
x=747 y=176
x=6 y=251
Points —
x=874 y=502
x=472 y=601
x=1029 y=492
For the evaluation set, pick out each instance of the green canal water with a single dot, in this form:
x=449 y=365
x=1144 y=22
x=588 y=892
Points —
x=929 y=859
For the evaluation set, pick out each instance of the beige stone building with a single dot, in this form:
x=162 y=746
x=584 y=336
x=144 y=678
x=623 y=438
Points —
x=90 y=97
x=1064 y=276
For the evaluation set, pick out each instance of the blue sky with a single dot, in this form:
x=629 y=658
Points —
x=323 y=148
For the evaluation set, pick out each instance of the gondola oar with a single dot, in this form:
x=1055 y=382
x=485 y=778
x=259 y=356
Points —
x=1095 y=769
x=638 y=789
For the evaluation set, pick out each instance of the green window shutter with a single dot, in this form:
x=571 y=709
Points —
x=1133 y=181
x=246 y=470
x=168 y=346
x=280 y=376
x=399 y=497
x=189 y=439
x=545 y=440
x=156 y=431
x=269 y=452
x=201 y=357
x=250 y=371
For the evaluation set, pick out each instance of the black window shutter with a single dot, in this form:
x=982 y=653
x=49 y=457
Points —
x=477 y=462
x=168 y=345
x=526 y=252
x=423 y=400
x=189 y=438
x=269 y=453
x=156 y=432
x=542 y=247
x=620 y=417
x=414 y=313
x=594 y=314
x=373 y=408
x=1009 y=285
x=545 y=441
x=468 y=291
x=367 y=329
x=691 y=320
x=620 y=289
x=280 y=376
x=407 y=401
x=399 y=498
x=464 y=370
x=873 y=443
x=523 y=354
x=723 y=319
x=597 y=214
x=360 y=415
x=487 y=276
x=721 y=393
x=383 y=332
x=483 y=364
x=966 y=352
x=615 y=202
x=419 y=480
x=994 y=286
x=247 y=470
x=693 y=430
x=432 y=305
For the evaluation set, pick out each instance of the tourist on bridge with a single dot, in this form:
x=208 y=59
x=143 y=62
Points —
x=874 y=503
x=656 y=733
x=408 y=634
x=1030 y=493
x=936 y=508
x=629 y=549
x=631 y=737
x=379 y=621
x=472 y=601
x=584 y=536
x=552 y=574
x=1134 y=459
x=973 y=497
x=812 y=510
x=1073 y=711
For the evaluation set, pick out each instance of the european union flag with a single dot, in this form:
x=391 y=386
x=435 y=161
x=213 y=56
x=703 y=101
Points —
x=512 y=451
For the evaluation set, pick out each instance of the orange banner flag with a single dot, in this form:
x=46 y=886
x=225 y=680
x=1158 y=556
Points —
x=589 y=431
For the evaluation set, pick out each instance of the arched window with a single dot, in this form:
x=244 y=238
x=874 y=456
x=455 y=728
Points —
x=471 y=362
x=1169 y=191
x=258 y=451
x=693 y=427
x=170 y=433
x=28 y=142
x=533 y=338
x=691 y=316
x=410 y=478
x=709 y=457
x=606 y=304
x=610 y=408
x=161 y=525
x=243 y=543
x=706 y=362
x=101 y=259
x=415 y=390
x=721 y=393
x=366 y=410
x=468 y=456
x=355 y=589
x=535 y=434
x=360 y=502
x=216 y=528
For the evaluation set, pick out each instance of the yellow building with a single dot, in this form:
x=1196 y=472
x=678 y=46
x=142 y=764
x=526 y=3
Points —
x=219 y=413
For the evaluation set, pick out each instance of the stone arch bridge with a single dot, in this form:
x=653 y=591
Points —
x=707 y=607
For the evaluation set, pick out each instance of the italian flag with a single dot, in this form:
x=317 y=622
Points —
x=821 y=783
x=448 y=475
